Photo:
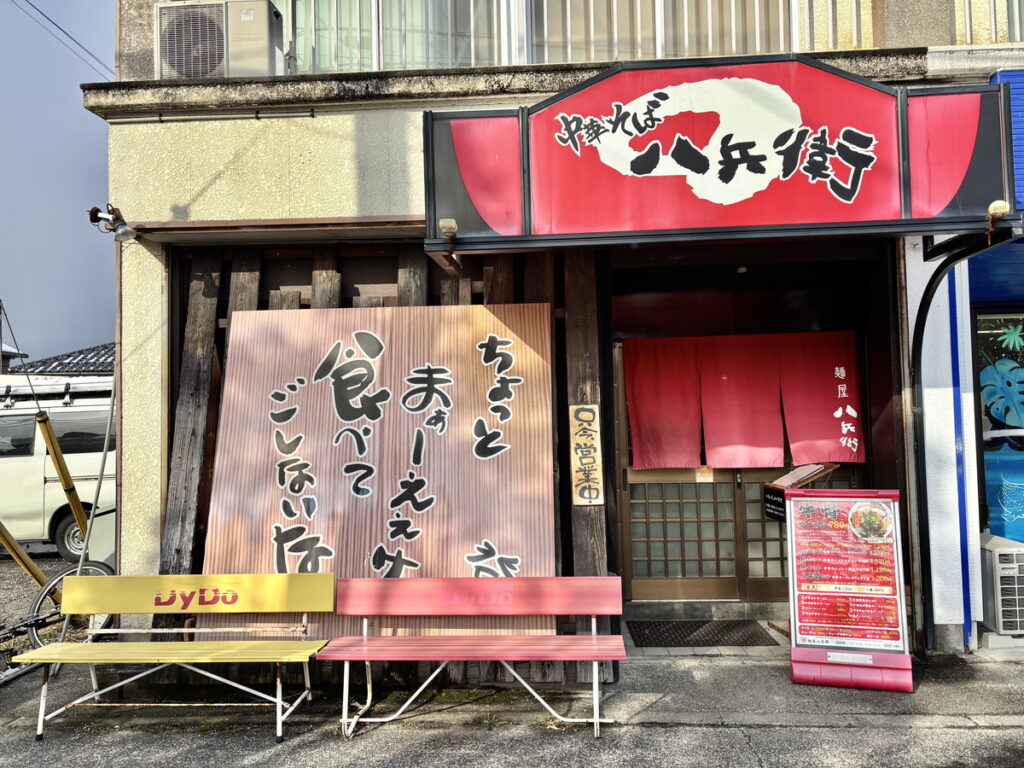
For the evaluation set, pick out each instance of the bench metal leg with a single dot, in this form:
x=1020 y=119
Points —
x=595 y=675
x=277 y=701
x=87 y=697
x=596 y=719
x=369 y=687
x=279 y=704
x=42 y=703
x=344 y=704
x=92 y=677
x=305 y=675
x=350 y=728
x=348 y=725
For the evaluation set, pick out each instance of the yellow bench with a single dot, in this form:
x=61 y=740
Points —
x=230 y=594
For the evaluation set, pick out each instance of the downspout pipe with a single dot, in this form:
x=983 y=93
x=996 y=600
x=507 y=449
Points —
x=969 y=248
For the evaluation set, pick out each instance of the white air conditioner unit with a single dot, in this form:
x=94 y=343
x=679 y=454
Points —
x=231 y=38
x=1002 y=573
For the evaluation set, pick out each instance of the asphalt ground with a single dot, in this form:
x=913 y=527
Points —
x=699 y=711
x=728 y=711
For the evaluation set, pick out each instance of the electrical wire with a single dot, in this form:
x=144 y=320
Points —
x=69 y=36
x=48 y=31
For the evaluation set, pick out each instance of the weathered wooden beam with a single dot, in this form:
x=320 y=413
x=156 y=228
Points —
x=583 y=374
x=499 y=278
x=539 y=278
x=449 y=262
x=281 y=299
x=412 y=279
x=457 y=291
x=539 y=288
x=583 y=386
x=190 y=442
x=244 y=291
x=326 y=282
x=367 y=301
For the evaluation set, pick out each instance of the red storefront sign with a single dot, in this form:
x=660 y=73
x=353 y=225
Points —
x=847 y=612
x=706 y=147
x=671 y=150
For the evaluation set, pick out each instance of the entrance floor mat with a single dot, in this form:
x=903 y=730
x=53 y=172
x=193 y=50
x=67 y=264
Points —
x=697 y=634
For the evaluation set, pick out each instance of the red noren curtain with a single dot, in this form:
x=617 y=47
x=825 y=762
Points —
x=734 y=389
x=821 y=398
x=740 y=401
x=662 y=380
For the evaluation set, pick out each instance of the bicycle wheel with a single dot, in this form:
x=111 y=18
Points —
x=49 y=623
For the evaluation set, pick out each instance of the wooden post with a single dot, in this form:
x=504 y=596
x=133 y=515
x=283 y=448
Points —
x=412 y=279
x=367 y=301
x=326 y=282
x=499 y=279
x=285 y=299
x=244 y=291
x=457 y=291
x=539 y=288
x=583 y=386
x=189 y=455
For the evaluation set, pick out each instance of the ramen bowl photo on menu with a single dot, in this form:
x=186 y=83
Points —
x=870 y=521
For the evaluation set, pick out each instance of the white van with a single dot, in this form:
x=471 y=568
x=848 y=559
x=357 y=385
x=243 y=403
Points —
x=33 y=506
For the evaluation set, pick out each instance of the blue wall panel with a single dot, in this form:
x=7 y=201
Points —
x=998 y=275
x=1015 y=77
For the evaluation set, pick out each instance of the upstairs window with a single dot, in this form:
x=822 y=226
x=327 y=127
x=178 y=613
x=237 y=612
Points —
x=368 y=35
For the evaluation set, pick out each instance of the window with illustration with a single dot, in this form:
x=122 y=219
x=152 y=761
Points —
x=1000 y=367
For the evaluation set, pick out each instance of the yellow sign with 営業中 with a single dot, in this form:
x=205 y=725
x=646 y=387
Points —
x=585 y=450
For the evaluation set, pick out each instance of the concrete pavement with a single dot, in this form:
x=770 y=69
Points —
x=708 y=710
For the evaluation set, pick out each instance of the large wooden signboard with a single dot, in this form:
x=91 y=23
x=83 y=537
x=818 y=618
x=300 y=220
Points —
x=389 y=442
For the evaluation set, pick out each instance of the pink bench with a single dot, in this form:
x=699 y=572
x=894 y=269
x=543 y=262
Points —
x=521 y=596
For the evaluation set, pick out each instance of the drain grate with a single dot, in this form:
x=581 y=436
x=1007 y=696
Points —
x=697 y=634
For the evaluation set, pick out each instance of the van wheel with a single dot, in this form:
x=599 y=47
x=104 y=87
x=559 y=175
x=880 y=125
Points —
x=68 y=539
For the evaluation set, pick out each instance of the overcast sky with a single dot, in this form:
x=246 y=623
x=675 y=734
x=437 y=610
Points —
x=56 y=270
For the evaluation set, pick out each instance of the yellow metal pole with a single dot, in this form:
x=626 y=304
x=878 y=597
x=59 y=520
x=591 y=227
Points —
x=21 y=557
x=53 y=448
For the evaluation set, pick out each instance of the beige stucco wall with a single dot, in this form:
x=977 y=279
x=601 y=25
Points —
x=360 y=162
x=143 y=406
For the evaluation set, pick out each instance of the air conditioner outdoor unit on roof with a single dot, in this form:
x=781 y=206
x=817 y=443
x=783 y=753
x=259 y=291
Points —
x=231 y=38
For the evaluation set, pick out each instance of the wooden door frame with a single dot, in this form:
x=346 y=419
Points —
x=621 y=442
x=764 y=589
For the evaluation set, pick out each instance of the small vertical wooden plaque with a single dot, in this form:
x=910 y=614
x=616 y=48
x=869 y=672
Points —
x=585 y=449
